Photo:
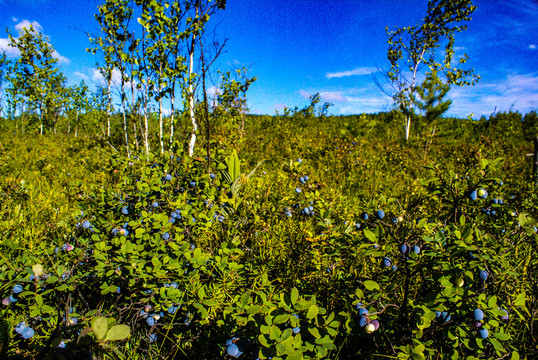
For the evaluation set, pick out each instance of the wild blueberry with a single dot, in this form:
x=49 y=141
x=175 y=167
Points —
x=233 y=350
x=380 y=214
x=27 y=333
x=473 y=195
x=20 y=327
x=17 y=288
x=478 y=314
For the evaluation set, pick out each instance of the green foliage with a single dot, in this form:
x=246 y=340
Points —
x=413 y=47
x=36 y=81
x=165 y=249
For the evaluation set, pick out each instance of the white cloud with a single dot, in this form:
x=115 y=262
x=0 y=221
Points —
x=368 y=99
x=26 y=24
x=10 y=51
x=514 y=92
x=99 y=79
x=532 y=46
x=81 y=75
x=357 y=71
x=212 y=91
x=60 y=58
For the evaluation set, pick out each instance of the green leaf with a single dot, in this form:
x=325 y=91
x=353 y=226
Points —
x=254 y=309
x=275 y=332
x=371 y=285
x=295 y=355
x=39 y=300
x=294 y=295
x=370 y=235
x=281 y=319
x=312 y=312
x=201 y=293
x=100 y=327
x=118 y=332
x=520 y=300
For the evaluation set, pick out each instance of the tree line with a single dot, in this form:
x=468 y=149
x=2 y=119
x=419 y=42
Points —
x=155 y=59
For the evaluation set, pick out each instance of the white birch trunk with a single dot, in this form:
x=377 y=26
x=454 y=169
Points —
x=191 y=99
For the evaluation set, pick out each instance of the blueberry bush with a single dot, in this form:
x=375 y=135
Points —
x=335 y=248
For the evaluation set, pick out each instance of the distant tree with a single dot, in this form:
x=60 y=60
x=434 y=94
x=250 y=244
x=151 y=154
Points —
x=99 y=108
x=415 y=48
x=114 y=17
x=430 y=101
x=77 y=103
x=4 y=70
x=36 y=77
x=530 y=125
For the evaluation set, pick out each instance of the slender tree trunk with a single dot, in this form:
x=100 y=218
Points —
x=109 y=105
x=191 y=97
x=206 y=109
x=172 y=109
x=124 y=118
x=407 y=126
x=160 y=111
x=41 y=119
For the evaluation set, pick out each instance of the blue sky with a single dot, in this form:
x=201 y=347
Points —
x=301 y=47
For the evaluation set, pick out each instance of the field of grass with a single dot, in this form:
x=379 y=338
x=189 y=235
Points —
x=304 y=239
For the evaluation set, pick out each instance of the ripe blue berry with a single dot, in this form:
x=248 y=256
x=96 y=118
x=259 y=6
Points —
x=380 y=214
x=478 y=314
x=27 y=333
x=20 y=327
x=233 y=350
x=473 y=196
x=17 y=288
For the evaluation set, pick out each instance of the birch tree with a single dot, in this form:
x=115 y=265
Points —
x=36 y=76
x=414 y=52
x=114 y=18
